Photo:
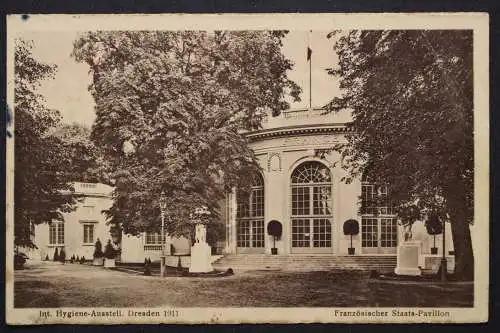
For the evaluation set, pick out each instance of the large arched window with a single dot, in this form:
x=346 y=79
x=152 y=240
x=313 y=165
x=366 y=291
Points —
x=250 y=216
x=311 y=191
x=378 y=221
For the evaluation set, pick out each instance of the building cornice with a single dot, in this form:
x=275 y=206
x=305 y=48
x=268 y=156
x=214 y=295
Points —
x=92 y=190
x=298 y=130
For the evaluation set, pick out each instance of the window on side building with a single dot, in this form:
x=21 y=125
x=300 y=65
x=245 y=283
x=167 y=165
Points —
x=88 y=233
x=56 y=233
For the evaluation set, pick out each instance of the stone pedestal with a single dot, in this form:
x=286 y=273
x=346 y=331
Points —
x=408 y=258
x=201 y=255
x=201 y=252
x=98 y=262
x=109 y=263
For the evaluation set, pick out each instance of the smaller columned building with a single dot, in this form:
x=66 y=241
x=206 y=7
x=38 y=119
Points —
x=79 y=229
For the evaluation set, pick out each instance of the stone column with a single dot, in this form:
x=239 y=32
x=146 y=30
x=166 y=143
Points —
x=276 y=200
x=232 y=222
x=227 y=223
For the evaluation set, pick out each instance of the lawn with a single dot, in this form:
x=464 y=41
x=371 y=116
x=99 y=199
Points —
x=74 y=285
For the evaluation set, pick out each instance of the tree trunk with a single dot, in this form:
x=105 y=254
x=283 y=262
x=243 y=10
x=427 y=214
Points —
x=464 y=258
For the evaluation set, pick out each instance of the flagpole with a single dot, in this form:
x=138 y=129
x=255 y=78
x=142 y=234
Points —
x=310 y=82
x=310 y=69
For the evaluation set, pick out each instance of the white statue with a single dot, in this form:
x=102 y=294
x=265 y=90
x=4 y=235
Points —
x=407 y=234
x=200 y=252
x=200 y=233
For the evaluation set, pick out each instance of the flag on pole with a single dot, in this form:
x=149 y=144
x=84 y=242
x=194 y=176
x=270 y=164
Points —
x=309 y=54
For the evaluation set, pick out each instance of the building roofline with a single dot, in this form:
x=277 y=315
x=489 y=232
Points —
x=93 y=189
x=297 y=130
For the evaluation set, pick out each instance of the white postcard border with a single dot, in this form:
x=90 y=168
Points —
x=323 y=22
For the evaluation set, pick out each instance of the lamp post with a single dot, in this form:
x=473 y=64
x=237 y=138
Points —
x=163 y=207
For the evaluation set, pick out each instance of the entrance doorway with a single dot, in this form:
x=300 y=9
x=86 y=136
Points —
x=311 y=235
x=379 y=235
x=311 y=218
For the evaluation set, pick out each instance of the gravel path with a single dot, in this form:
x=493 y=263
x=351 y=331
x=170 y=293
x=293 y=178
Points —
x=73 y=285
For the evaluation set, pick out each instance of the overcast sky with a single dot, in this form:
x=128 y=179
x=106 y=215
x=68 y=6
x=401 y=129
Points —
x=68 y=92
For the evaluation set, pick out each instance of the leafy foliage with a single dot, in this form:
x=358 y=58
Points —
x=351 y=227
x=62 y=255
x=434 y=225
x=98 y=249
x=171 y=107
x=274 y=228
x=19 y=259
x=215 y=232
x=88 y=162
x=42 y=189
x=411 y=98
x=56 y=255
x=109 y=250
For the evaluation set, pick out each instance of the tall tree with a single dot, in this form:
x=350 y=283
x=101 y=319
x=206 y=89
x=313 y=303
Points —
x=170 y=110
x=88 y=162
x=411 y=97
x=42 y=188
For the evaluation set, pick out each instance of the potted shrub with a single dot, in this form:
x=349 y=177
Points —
x=274 y=228
x=19 y=260
x=56 y=254
x=98 y=254
x=109 y=255
x=351 y=228
x=62 y=255
x=434 y=227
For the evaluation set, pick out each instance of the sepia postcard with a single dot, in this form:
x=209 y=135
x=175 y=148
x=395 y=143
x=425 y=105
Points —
x=247 y=168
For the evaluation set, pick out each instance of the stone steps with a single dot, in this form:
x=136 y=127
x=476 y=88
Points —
x=299 y=262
